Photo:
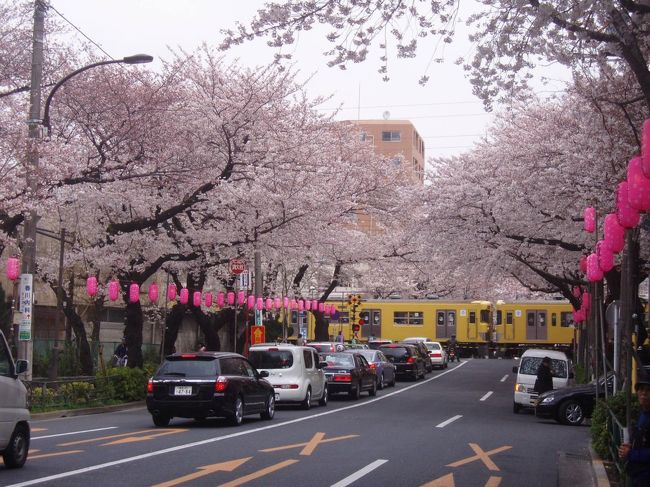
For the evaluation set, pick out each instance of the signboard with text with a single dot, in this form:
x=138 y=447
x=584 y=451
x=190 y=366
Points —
x=258 y=334
x=237 y=266
x=26 y=296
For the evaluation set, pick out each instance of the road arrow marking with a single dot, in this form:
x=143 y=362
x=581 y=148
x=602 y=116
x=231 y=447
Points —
x=493 y=482
x=445 y=481
x=134 y=439
x=259 y=473
x=310 y=445
x=206 y=470
x=484 y=456
x=123 y=435
x=57 y=454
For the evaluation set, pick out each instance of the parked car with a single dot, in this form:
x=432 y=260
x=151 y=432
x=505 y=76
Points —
x=424 y=353
x=294 y=372
x=437 y=354
x=14 y=415
x=375 y=343
x=327 y=346
x=206 y=384
x=406 y=358
x=384 y=369
x=571 y=405
x=349 y=372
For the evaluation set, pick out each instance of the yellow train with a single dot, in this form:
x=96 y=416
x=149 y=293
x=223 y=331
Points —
x=480 y=327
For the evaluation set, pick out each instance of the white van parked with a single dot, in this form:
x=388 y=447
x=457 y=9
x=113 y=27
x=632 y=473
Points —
x=14 y=415
x=295 y=372
x=561 y=367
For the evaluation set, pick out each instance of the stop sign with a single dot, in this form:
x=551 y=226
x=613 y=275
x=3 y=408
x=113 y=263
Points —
x=237 y=266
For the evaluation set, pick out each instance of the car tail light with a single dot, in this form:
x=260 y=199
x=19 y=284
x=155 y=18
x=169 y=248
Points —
x=286 y=386
x=342 y=378
x=221 y=384
x=436 y=354
x=150 y=386
x=373 y=366
x=410 y=360
x=188 y=355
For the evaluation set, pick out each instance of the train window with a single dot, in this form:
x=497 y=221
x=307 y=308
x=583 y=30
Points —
x=566 y=319
x=554 y=319
x=509 y=318
x=485 y=315
x=401 y=318
x=472 y=317
x=530 y=319
x=413 y=318
x=499 y=317
x=542 y=319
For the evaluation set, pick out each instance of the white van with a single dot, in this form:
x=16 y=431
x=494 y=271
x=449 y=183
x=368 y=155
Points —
x=561 y=367
x=14 y=415
x=295 y=372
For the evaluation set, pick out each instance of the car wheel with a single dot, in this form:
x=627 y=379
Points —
x=306 y=403
x=571 y=413
x=393 y=382
x=354 y=392
x=380 y=381
x=323 y=400
x=416 y=374
x=161 y=419
x=516 y=407
x=424 y=372
x=373 y=389
x=237 y=417
x=269 y=409
x=16 y=453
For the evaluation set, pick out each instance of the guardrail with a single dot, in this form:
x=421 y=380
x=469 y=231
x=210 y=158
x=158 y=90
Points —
x=616 y=434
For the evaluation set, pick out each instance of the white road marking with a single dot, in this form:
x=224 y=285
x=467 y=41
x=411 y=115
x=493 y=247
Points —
x=72 y=433
x=486 y=396
x=504 y=378
x=224 y=437
x=359 y=473
x=450 y=420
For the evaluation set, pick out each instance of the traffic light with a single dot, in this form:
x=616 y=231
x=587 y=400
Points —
x=356 y=327
x=354 y=300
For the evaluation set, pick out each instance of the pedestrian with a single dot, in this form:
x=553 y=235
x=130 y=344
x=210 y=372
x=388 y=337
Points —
x=637 y=451
x=121 y=353
x=544 y=380
x=201 y=347
x=300 y=341
x=339 y=337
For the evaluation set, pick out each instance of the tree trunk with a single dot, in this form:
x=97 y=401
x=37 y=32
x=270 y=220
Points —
x=133 y=334
x=77 y=325
x=321 y=328
x=172 y=325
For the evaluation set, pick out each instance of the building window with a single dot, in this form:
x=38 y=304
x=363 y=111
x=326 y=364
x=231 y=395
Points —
x=391 y=136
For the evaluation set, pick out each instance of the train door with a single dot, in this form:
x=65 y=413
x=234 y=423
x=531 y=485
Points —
x=509 y=328
x=371 y=323
x=536 y=328
x=472 y=325
x=445 y=323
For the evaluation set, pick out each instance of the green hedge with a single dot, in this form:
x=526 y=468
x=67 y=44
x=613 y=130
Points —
x=601 y=437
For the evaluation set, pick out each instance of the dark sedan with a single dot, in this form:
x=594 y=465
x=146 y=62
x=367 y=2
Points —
x=571 y=405
x=384 y=369
x=204 y=384
x=349 y=372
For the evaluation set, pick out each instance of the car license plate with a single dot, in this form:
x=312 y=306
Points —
x=183 y=390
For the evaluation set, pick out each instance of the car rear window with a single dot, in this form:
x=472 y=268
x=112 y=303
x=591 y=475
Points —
x=271 y=359
x=189 y=368
x=433 y=346
x=529 y=366
x=396 y=352
x=341 y=359
x=369 y=355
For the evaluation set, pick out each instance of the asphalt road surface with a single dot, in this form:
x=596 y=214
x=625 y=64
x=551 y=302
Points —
x=455 y=428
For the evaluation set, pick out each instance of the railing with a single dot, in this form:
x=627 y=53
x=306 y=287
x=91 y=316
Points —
x=616 y=436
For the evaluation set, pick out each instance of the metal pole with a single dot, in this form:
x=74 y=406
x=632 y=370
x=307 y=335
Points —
x=234 y=335
x=59 y=309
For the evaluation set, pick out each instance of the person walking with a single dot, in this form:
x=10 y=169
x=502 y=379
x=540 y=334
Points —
x=637 y=451
x=544 y=380
x=339 y=337
x=300 y=341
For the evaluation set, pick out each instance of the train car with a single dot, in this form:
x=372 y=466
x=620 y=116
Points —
x=533 y=324
x=397 y=319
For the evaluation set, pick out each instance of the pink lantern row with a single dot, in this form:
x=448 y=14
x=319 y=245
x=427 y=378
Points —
x=13 y=268
x=590 y=219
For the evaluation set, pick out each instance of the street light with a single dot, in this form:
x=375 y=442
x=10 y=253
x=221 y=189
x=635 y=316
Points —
x=136 y=59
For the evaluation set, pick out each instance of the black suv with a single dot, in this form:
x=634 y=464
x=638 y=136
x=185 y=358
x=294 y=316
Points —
x=202 y=384
x=406 y=358
x=424 y=353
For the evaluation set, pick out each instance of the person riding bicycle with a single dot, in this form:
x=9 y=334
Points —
x=121 y=353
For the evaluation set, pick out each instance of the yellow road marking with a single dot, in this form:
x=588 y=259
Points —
x=259 y=473
x=133 y=439
x=38 y=430
x=310 y=445
x=493 y=482
x=484 y=456
x=123 y=435
x=206 y=470
x=57 y=454
x=446 y=481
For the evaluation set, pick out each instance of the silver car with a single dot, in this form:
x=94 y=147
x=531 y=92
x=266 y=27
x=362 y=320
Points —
x=437 y=354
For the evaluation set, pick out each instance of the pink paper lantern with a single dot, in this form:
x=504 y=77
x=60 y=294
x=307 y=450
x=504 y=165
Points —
x=251 y=302
x=638 y=186
x=196 y=299
x=91 y=286
x=594 y=272
x=208 y=299
x=645 y=148
x=184 y=295
x=113 y=290
x=577 y=291
x=605 y=256
x=578 y=316
x=314 y=304
x=328 y=309
x=260 y=304
x=590 y=219
x=269 y=304
x=321 y=307
x=307 y=305
x=241 y=298
x=614 y=233
x=277 y=303
x=153 y=292
x=221 y=299
x=285 y=303
x=583 y=264
x=13 y=268
x=586 y=302
x=628 y=217
x=301 y=305
x=171 y=292
x=230 y=298
x=134 y=293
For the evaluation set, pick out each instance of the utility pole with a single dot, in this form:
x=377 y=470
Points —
x=25 y=348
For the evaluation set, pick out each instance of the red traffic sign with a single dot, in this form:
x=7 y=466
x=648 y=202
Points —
x=237 y=266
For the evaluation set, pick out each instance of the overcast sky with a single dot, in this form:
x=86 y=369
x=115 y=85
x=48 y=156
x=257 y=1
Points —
x=445 y=112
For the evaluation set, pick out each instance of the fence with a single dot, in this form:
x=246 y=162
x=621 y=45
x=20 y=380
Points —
x=616 y=432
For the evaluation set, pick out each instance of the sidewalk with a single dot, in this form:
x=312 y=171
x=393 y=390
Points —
x=581 y=470
x=65 y=413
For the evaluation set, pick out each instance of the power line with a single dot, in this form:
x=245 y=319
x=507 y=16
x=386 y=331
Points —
x=81 y=32
x=460 y=102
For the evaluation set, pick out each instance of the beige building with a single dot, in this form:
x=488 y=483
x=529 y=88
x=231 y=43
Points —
x=395 y=138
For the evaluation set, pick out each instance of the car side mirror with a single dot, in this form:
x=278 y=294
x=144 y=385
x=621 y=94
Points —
x=21 y=366
x=515 y=369
x=263 y=373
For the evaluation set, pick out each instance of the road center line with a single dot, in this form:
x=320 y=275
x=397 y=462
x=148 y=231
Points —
x=486 y=396
x=224 y=437
x=359 y=473
x=504 y=378
x=73 y=433
x=450 y=420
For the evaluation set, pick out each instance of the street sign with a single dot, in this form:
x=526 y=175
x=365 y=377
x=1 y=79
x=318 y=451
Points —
x=237 y=266
x=258 y=334
x=245 y=281
x=26 y=296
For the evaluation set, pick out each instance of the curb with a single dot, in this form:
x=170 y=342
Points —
x=600 y=475
x=65 y=413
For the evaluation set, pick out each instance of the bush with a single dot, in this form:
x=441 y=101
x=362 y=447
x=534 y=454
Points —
x=126 y=384
x=600 y=435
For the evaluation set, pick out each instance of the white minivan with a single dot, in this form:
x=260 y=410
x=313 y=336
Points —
x=14 y=415
x=561 y=367
x=295 y=372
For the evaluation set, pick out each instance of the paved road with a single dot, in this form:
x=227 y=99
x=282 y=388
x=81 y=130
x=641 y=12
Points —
x=454 y=428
